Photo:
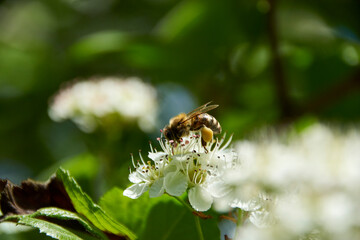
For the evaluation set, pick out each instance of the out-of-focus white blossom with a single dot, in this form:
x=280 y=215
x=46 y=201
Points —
x=185 y=167
x=311 y=184
x=88 y=103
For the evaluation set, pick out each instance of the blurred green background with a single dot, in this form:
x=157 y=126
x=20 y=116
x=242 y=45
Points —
x=265 y=62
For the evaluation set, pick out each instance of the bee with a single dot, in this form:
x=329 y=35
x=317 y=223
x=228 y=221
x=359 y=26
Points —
x=196 y=120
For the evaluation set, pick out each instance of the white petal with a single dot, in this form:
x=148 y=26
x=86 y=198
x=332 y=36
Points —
x=175 y=183
x=170 y=168
x=136 y=190
x=134 y=177
x=261 y=218
x=222 y=205
x=217 y=188
x=251 y=205
x=157 y=189
x=155 y=156
x=200 y=199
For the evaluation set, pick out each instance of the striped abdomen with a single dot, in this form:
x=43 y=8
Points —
x=207 y=120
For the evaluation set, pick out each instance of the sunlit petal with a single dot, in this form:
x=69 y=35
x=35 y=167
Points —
x=175 y=183
x=157 y=189
x=200 y=199
x=136 y=190
x=134 y=178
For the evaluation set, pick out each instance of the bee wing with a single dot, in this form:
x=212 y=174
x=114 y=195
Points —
x=197 y=111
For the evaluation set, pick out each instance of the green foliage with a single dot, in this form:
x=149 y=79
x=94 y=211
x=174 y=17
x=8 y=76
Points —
x=85 y=206
x=89 y=221
x=169 y=220
x=51 y=229
x=180 y=20
x=156 y=218
x=216 y=50
x=130 y=212
x=43 y=220
x=61 y=214
x=30 y=233
x=99 y=43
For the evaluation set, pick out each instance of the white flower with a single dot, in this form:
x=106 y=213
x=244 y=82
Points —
x=147 y=176
x=198 y=171
x=312 y=178
x=186 y=166
x=89 y=103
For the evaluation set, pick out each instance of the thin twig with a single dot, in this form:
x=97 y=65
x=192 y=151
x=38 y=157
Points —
x=279 y=76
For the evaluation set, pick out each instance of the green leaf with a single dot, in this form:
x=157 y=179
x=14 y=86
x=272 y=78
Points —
x=180 y=19
x=51 y=214
x=131 y=212
x=156 y=218
x=52 y=229
x=93 y=212
x=61 y=214
x=169 y=220
x=99 y=43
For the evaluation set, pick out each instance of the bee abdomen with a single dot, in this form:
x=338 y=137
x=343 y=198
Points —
x=207 y=120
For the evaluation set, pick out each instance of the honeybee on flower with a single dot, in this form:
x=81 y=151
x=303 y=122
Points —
x=197 y=120
x=184 y=167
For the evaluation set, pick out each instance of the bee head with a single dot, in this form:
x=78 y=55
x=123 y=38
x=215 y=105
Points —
x=168 y=133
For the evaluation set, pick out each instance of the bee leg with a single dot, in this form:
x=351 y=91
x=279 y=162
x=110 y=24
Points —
x=203 y=143
x=206 y=136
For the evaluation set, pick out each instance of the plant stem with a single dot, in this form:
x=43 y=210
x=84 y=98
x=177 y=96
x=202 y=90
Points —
x=198 y=227
x=184 y=203
x=197 y=218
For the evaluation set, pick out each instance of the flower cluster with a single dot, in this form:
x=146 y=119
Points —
x=303 y=186
x=90 y=103
x=184 y=167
